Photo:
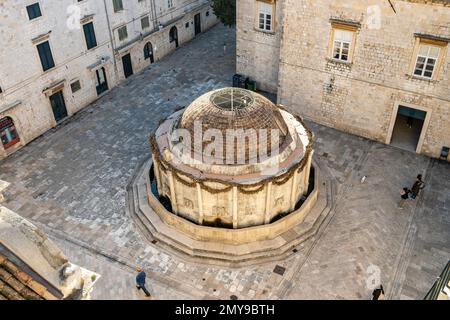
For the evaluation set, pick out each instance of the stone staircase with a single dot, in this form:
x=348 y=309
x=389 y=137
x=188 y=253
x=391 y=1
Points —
x=179 y=244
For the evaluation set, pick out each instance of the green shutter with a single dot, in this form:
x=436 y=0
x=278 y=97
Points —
x=45 y=54
x=89 y=34
x=118 y=5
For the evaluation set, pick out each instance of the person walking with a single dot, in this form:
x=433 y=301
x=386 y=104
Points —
x=404 y=194
x=418 y=185
x=140 y=281
x=378 y=294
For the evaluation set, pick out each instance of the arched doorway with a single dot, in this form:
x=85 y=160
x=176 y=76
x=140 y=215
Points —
x=148 y=52
x=8 y=132
x=173 y=35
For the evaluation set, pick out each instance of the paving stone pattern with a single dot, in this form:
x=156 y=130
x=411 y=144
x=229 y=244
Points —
x=71 y=183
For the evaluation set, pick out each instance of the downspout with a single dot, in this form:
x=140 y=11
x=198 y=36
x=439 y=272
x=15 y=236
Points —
x=153 y=11
x=111 y=40
x=156 y=13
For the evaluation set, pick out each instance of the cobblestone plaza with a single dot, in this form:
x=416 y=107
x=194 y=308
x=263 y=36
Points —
x=71 y=182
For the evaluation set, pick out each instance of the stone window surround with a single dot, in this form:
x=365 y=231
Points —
x=429 y=40
x=426 y=122
x=87 y=18
x=149 y=21
x=274 y=22
x=71 y=82
x=345 y=25
x=40 y=39
x=118 y=32
x=30 y=2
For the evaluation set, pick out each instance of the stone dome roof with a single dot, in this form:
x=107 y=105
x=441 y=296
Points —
x=235 y=108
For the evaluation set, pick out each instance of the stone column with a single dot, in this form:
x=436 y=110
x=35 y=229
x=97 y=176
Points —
x=294 y=190
x=157 y=175
x=200 y=204
x=268 y=202
x=308 y=171
x=173 y=197
x=235 y=208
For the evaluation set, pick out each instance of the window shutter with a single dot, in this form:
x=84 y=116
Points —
x=45 y=54
x=34 y=11
x=118 y=5
x=89 y=34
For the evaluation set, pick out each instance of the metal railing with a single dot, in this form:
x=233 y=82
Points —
x=439 y=284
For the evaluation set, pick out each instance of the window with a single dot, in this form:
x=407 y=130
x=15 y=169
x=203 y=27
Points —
x=75 y=86
x=427 y=59
x=123 y=33
x=118 y=5
x=8 y=132
x=34 y=11
x=265 y=16
x=342 y=43
x=45 y=54
x=89 y=35
x=187 y=25
x=145 y=23
x=169 y=4
x=207 y=13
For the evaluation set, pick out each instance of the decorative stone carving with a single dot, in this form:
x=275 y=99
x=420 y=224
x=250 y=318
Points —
x=188 y=203
x=220 y=211
x=279 y=201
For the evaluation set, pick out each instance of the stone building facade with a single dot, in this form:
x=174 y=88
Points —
x=58 y=56
x=378 y=69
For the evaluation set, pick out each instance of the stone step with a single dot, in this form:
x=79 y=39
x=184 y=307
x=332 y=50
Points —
x=185 y=247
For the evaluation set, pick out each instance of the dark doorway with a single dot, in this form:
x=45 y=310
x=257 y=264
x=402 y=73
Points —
x=408 y=128
x=198 y=23
x=101 y=84
x=58 y=106
x=173 y=36
x=148 y=52
x=127 y=66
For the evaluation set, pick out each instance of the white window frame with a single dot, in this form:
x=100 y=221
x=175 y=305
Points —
x=265 y=16
x=340 y=43
x=427 y=58
x=169 y=4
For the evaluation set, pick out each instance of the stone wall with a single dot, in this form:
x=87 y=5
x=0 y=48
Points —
x=257 y=51
x=25 y=88
x=360 y=97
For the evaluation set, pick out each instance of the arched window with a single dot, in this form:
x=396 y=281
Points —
x=8 y=132
x=173 y=35
x=148 y=52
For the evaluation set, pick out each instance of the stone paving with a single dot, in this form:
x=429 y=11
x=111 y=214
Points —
x=71 y=183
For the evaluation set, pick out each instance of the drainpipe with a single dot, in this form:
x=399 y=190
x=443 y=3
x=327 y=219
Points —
x=111 y=40
x=153 y=11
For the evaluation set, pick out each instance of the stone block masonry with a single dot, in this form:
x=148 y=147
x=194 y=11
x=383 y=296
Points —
x=363 y=94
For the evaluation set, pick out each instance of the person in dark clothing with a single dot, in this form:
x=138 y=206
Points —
x=418 y=185
x=378 y=294
x=404 y=194
x=140 y=281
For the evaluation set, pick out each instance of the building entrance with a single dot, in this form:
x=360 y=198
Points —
x=408 y=128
